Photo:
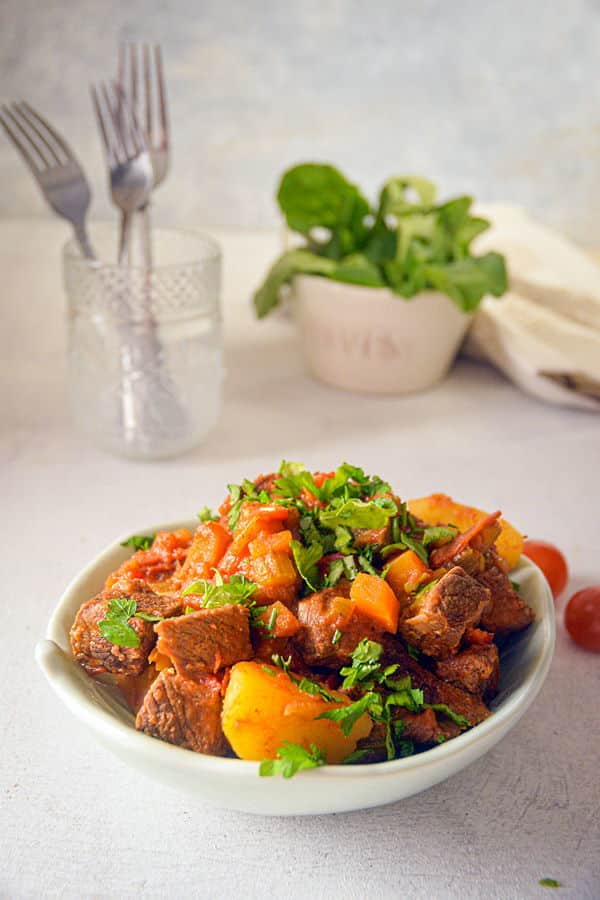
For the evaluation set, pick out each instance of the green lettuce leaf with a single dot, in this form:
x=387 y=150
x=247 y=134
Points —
x=294 y=262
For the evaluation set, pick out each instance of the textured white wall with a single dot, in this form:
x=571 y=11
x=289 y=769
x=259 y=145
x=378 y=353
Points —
x=499 y=99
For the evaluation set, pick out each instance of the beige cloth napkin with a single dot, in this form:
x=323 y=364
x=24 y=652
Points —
x=545 y=333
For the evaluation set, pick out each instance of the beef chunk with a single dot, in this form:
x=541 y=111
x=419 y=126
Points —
x=434 y=689
x=320 y=616
x=96 y=654
x=206 y=641
x=507 y=611
x=184 y=712
x=436 y=621
x=134 y=688
x=475 y=669
x=423 y=728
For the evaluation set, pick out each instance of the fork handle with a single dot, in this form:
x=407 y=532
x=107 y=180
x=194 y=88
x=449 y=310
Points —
x=124 y=236
x=146 y=235
x=84 y=241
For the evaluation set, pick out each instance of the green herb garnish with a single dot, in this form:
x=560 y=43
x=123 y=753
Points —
x=272 y=620
x=292 y=758
x=282 y=662
x=347 y=716
x=549 y=882
x=337 y=636
x=237 y=591
x=436 y=534
x=365 y=663
x=240 y=494
x=139 y=541
x=355 y=513
x=306 y=559
x=115 y=627
x=206 y=515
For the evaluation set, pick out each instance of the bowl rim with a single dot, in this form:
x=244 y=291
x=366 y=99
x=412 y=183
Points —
x=60 y=669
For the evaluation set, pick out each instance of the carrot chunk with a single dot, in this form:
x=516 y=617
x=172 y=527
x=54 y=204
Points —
x=281 y=621
x=373 y=597
x=444 y=554
x=279 y=542
x=267 y=519
x=406 y=572
x=208 y=546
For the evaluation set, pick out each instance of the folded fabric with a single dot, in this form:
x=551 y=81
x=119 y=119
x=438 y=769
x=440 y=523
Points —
x=545 y=333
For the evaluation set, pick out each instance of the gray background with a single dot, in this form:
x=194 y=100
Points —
x=498 y=99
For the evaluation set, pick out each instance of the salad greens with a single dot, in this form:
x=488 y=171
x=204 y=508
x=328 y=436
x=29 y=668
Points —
x=406 y=242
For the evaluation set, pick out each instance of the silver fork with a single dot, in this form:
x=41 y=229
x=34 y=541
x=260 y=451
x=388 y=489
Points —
x=140 y=75
x=127 y=156
x=53 y=165
x=150 y=409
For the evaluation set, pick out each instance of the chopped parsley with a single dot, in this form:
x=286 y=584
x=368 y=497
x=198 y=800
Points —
x=424 y=589
x=384 y=691
x=272 y=620
x=139 y=541
x=355 y=757
x=347 y=716
x=292 y=758
x=293 y=479
x=337 y=636
x=365 y=663
x=115 y=627
x=437 y=534
x=303 y=684
x=206 y=515
x=306 y=559
x=549 y=882
x=355 y=513
x=238 y=590
x=282 y=662
x=239 y=494
x=449 y=713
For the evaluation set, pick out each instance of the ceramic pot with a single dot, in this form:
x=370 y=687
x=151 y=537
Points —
x=371 y=340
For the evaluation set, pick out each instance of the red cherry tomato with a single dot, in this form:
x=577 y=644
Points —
x=582 y=618
x=551 y=562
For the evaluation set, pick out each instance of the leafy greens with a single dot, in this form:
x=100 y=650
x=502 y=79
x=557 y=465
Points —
x=408 y=242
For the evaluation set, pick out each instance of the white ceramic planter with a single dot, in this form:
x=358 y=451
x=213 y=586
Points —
x=370 y=340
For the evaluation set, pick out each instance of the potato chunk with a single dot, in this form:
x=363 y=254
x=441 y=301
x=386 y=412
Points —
x=263 y=707
x=439 y=509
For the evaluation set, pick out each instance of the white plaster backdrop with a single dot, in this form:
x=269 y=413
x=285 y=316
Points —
x=498 y=99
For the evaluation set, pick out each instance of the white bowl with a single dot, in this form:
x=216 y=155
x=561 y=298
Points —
x=371 y=340
x=235 y=784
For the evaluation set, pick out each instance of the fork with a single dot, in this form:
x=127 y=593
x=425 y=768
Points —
x=127 y=156
x=53 y=165
x=150 y=409
x=146 y=92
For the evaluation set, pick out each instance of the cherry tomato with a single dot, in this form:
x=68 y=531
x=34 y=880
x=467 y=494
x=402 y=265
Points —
x=582 y=618
x=551 y=562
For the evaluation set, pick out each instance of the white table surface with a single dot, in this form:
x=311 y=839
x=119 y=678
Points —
x=76 y=823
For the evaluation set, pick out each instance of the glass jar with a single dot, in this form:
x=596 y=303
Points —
x=145 y=346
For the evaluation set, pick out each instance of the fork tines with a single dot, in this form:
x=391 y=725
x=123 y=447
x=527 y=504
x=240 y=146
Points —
x=141 y=75
x=38 y=143
x=121 y=134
